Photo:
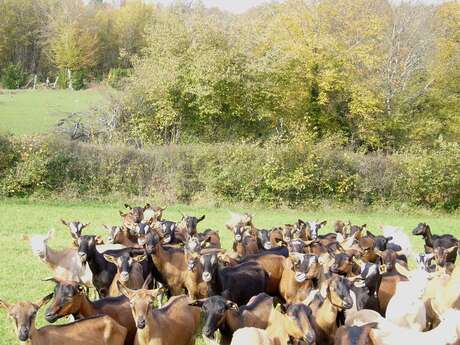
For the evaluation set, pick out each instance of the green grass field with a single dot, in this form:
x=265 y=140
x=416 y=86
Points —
x=34 y=112
x=21 y=273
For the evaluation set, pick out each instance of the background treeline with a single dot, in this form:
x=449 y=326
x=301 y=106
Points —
x=276 y=174
x=289 y=103
x=374 y=74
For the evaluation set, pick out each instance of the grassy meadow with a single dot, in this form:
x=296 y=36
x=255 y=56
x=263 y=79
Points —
x=21 y=273
x=38 y=111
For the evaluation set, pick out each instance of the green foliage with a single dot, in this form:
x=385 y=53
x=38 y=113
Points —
x=274 y=174
x=13 y=77
x=117 y=76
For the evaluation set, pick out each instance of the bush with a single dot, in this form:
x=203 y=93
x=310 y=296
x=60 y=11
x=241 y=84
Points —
x=13 y=77
x=116 y=76
x=275 y=174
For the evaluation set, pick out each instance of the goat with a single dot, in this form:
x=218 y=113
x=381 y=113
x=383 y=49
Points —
x=103 y=271
x=298 y=274
x=389 y=277
x=443 y=257
x=100 y=330
x=445 y=241
x=327 y=304
x=354 y=335
x=448 y=332
x=442 y=293
x=245 y=242
x=120 y=235
x=75 y=227
x=238 y=283
x=286 y=323
x=263 y=239
x=187 y=226
x=170 y=262
x=406 y=308
x=174 y=324
x=70 y=299
x=64 y=263
x=129 y=271
x=226 y=316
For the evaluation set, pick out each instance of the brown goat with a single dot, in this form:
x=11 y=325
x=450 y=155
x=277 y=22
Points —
x=390 y=277
x=287 y=324
x=297 y=277
x=175 y=323
x=226 y=316
x=70 y=299
x=170 y=262
x=121 y=235
x=100 y=330
x=325 y=308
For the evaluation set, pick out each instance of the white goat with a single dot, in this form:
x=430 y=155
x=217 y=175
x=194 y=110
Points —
x=448 y=332
x=399 y=237
x=64 y=263
x=406 y=308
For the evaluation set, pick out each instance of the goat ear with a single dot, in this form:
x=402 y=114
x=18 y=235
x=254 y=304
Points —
x=5 y=305
x=124 y=290
x=323 y=223
x=196 y=303
x=146 y=206
x=106 y=227
x=51 y=279
x=50 y=234
x=140 y=258
x=451 y=249
x=110 y=258
x=201 y=218
x=122 y=214
x=85 y=225
x=44 y=300
x=99 y=240
x=64 y=222
x=127 y=206
x=370 y=234
x=402 y=270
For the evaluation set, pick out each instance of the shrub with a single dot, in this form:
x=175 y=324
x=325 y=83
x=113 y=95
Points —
x=275 y=174
x=116 y=77
x=13 y=77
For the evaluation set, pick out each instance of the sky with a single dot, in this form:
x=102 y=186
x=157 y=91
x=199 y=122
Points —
x=239 y=6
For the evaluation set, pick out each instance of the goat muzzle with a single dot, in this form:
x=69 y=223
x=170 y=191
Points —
x=83 y=256
x=310 y=338
x=300 y=277
x=206 y=277
x=124 y=277
x=140 y=323
x=23 y=333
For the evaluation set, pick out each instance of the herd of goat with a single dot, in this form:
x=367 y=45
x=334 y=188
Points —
x=287 y=285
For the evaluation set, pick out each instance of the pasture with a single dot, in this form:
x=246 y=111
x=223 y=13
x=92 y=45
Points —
x=21 y=273
x=38 y=111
